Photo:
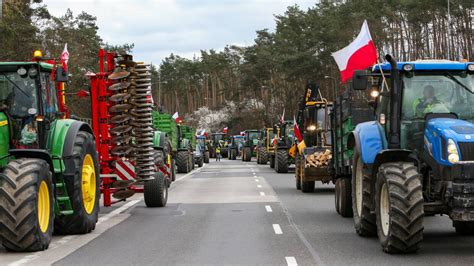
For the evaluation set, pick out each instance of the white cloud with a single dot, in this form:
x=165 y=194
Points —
x=184 y=27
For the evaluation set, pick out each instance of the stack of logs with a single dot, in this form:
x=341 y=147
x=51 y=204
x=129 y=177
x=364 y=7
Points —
x=318 y=159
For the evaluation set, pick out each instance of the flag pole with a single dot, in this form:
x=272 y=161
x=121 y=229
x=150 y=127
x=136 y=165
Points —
x=383 y=75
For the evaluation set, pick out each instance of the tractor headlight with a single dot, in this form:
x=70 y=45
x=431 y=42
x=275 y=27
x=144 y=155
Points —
x=470 y=67
x=408 y=67
x=453 y=153
x=311 y=128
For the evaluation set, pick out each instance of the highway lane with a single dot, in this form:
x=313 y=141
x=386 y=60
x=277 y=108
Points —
x=239 y=213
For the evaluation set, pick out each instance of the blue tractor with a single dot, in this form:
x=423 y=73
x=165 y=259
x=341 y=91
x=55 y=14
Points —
x=417 y=157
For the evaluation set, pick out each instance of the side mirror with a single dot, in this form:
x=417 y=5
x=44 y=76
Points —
x=360 y=80
x=61 y=74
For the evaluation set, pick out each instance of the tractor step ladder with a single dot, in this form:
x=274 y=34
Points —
x=63 y=201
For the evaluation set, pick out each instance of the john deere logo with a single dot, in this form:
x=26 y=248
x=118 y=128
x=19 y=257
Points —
x=3 y=123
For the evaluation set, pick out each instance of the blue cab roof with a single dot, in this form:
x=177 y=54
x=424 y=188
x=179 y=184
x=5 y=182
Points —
x=426 y=65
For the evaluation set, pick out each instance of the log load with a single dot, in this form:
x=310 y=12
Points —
x=318 y=159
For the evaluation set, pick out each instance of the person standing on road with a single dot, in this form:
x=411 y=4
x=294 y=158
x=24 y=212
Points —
x=218 y=153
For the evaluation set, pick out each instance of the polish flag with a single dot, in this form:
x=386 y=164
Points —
x=65 y=57
x=226 y=129
x=282 y=118
x=360 y=54
x=177 y=118
x=203 y=132
x=296 y=128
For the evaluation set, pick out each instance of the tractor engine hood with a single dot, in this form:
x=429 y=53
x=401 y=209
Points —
x=439 y=131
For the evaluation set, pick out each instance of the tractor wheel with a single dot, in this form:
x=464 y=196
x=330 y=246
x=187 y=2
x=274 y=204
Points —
x=247 y=154
x=281 y=161
x=182 y=162
x=206 y=157
x=272 y=161
x=344 y=197
x=191 y=161
x=307 y=186
x=200 y=162
x=173 y=170
x=82 y=182
x=264 y=155
x=297 y=172
x=27 y=205
x=155 y=191
x=464 y=228
x=364 y=220
x=399 y=207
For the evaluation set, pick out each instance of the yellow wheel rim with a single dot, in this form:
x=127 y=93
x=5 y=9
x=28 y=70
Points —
x=44 y=206
x=89 y=184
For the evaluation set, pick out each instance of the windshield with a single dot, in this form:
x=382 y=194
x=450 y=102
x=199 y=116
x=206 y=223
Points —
x=253 y=135
x=439 y=93
x=433 y=93
x=18 y=95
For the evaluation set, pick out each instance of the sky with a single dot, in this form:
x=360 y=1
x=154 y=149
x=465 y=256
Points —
x=183 y=27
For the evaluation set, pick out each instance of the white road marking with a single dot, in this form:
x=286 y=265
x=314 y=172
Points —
x=117 y=211
x=291 y=261
x=262 y=193
x=259 y=186
x=268 y=208
x=277 y=229
x=256 y=180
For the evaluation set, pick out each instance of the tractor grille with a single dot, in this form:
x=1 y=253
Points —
x=467 y=150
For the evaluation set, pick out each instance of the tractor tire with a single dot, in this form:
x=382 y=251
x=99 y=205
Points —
x=247 y=154
x=200 y=162
x=281 y=161
x=307 y=186
x=464 y=228
x=82 y=178
x=344 y=197
x=182 y=162
x=206 y=157
x=155 y=192
x=264 y=156
x=191 y=161
x=364 y=220
x=272 y=161
x=297 y=172
x=399 y=207
x=233 y=154
x=25 y=183
x=173 y=170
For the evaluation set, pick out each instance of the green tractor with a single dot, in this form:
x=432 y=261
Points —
x=190 y=135
x=182 y=151
x=250 y=142
x=281 y=157
x=217 y=139
x=49 y=171
x=233 y=147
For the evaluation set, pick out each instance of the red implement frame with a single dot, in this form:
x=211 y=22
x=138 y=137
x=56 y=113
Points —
x=112 y=168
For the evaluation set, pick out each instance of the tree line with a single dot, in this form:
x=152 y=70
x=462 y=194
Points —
x=275 y=68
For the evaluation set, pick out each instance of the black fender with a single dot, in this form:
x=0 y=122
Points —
x=71 y=136
x=33 y=153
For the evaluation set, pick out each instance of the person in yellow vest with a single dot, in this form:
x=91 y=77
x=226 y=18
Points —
x=218 y=153
x=428 y=103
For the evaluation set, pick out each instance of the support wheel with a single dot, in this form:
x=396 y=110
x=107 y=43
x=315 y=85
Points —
x=399 y=207
x=156 y=191
x=82 y=183
x=27 y=205
x=364 y=221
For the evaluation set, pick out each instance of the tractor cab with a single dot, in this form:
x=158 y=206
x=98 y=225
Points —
x=315 y=123
x=29 y=102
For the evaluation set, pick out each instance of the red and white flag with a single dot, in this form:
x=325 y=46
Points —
x=177 y=118
x=203 y=132
x=297 y=131
x=226 y=129
x=282 y=118
x=65 y=57
x=360 y=54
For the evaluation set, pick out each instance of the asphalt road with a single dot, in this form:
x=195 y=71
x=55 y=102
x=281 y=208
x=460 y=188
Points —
x=231 y=212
